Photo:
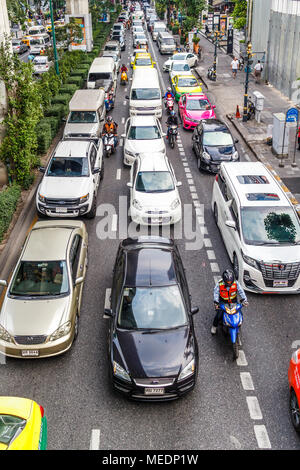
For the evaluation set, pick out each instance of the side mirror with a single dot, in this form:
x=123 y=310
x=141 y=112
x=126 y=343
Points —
x=108 y=312
x=64 y=119
x=236 y=141
x=95 y=171
x=129 y=185
x=123 y=136
x=179 y=184
x=79 y=280
x=230 y=224
x=3 y=283
x=194 y=310
x=213 y=106
x=163 y=134
x=42 y=169
x=127 y=97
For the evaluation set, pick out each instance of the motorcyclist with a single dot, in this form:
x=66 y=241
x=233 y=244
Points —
x=169 y=94
x=171 y=121
x=111 y=127
x=124 y=68
x=226 y=290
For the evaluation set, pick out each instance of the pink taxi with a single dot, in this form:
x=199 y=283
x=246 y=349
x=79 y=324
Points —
x=193 y=108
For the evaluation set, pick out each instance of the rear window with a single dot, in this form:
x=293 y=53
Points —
x=262 y=197
x=93 y=77
x=252 y=179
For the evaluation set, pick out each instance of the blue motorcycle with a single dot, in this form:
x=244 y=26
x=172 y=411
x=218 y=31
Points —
x=232 y=321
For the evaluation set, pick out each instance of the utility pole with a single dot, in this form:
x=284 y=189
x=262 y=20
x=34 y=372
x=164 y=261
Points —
x=248 y=62
x=216 y=42
x=53 y=38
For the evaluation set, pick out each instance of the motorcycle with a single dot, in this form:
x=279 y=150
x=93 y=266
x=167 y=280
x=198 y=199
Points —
x=108 y=144
x=211 y=74
x=251 y=109
x=124 y=78
x=232 y=321
x=173 y=131
x=169 y=105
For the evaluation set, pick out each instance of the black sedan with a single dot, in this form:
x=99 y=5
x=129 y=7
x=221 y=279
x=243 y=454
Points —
x=153 y=351
x=213 y=144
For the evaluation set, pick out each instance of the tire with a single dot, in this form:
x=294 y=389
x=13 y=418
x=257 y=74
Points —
x=102 y=171
x=76 y=327
x=171 y=140
x=216 y=215
x=235 y=348
x=199 y=164
x=92 y=213
x=294 y=411
x=235 y=264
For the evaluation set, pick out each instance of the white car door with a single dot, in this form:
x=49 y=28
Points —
x=95 y=162
x=191 y=59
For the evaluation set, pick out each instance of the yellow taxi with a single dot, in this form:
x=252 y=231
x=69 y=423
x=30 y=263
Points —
x=143 y=60
x=23 y=425
x=182 y=84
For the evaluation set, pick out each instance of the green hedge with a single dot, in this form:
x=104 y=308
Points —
x=44 y=135
x=78 y=81
x=56 y=110
x=68 y=88
x=8 y=202
x=62 y=98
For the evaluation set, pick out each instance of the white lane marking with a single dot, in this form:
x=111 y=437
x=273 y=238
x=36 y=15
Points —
x=196 y=203
x=118 y=177
x=95 y=439
x=199 y=211
x=121 y=143
x=185 y=164
x=241 y=360
x=254 y=408
x=210 y=253
x=123 y=120
x=235 y=442
x=207 y=242
x=194 y=196
x=214 y=267
x=126 y=89
x=201 y=221
x=216 y=278
x=124 y=103
x=193 y=189
x=262 y=437
x=246 y=380
x=114 y=222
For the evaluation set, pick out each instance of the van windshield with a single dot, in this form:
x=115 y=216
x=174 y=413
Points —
x=36 y=42
x=93 y=77
x=168 y=41
x=69 y=167
x=83 y=117
x=145 y=94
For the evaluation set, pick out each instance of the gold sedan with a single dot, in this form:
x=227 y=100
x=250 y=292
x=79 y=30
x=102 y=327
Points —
x=40 y=311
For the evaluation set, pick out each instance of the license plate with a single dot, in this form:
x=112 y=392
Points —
x=61 y=210
x=30 y=353
x=156 y=220
x=280 y=283
x=154 y=391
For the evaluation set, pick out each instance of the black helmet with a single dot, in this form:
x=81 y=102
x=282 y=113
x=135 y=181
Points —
x=228 y=277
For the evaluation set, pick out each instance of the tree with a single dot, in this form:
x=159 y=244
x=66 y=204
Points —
x=240 y=14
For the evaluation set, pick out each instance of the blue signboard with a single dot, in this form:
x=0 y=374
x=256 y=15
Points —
x=292 y=115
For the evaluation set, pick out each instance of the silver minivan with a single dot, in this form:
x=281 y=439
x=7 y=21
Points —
x=166 y=43
x=158 y=27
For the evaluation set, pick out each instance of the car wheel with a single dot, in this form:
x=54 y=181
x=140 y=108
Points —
x=236 y=266
x=199 y=164
x=216 y=215
x=76 y=327
x=92 y=213
x=294 y=411
x=102 y=171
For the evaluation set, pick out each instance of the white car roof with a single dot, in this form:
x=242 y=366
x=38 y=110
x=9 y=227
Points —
x=148 y=163
x=265 y=185
x=143 y=121
x=73 y=148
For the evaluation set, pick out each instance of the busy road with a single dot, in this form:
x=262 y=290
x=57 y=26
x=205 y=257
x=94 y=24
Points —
x=239 y=404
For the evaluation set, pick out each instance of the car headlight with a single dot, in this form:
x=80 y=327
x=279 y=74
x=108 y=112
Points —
x=84 y=199
x=252 y=262
x=206 y=156
x=187 y=370
x=129 y=153
x=41 y=198
x=120 y=372
x=137 y=205
x=296 y=356
x=63 y=330
x=175 y=204
x=5 y=336
x=235 y=156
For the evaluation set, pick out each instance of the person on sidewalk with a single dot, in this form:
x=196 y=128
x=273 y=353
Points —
x=234 y=67
x=257 y=72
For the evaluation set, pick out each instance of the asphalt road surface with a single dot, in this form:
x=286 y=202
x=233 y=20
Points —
x=235 y=405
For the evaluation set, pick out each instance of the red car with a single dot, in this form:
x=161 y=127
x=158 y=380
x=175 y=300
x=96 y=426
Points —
x=193 y=108
x=294 y=384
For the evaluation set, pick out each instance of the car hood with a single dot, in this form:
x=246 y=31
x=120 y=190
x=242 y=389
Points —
x=273 y=254
x=189 y=90
x=55 y=187
x=34 y=317
x=156 y=201
x=158 y=354
x=80 y=128
x=140 y=146
x=220 y=153
x=198 y=115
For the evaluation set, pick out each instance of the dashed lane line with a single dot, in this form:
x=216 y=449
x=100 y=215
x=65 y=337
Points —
x=95 y=439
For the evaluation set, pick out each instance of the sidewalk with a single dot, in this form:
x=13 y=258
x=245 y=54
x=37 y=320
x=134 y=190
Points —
x=229 y=93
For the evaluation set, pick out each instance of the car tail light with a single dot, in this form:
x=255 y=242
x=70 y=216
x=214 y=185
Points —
x=217 y=177
x=42 y=411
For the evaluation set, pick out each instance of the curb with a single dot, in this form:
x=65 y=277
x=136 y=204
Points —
x=203 y=81
x=289 y=194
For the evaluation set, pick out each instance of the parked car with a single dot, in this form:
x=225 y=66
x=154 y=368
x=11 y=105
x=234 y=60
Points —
x=260 y=228
x=152 y=346
x=188 y=57
x=19 y=47
x=294 y=386
x=154 y=195
x=41 y=64
x=212 y=144
x=23 y=424
x=71 y=180
x=194 y=108
x=40 y=311
x=142 y=133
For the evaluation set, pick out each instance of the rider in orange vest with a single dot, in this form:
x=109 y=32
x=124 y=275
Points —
x=226 y=291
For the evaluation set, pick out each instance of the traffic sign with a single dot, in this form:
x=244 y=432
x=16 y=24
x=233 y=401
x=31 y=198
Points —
x=292 y=115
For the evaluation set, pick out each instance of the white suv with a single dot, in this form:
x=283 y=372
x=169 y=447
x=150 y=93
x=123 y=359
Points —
x=154 y=196
x=259 y=226
x=142 y=134
x=71 y=180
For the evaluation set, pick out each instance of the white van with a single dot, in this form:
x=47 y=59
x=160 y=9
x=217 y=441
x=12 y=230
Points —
x=259 y=226
x=158 y=27
x=166 y=43
x=145 y=95
x=103 y=74
x=33 y=30
x=87 y=114
x=38 y=43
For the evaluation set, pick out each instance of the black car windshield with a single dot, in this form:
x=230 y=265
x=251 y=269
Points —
x=145 y=94
x=270 y=225
x=10 y=426
x=93 y=77
x=44 y=278
x=152 y=307
x=68 y=167
x=187 y=82
x=83 y=117
x=197 y=105
x=216 y=139
x=154 y=182
x=144 y=133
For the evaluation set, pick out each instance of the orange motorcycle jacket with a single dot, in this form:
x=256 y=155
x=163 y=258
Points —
x=110 y=127
x=227 y=294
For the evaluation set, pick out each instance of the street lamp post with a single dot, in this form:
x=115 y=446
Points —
x=249 y=61
x=53 y=38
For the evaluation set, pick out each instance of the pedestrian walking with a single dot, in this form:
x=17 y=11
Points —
x=234 y=67
x=257 y=71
